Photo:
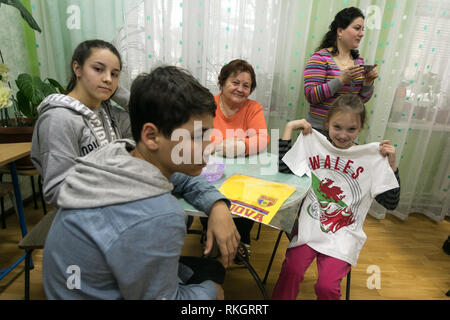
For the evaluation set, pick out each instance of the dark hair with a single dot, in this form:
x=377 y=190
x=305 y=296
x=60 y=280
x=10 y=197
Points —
x=342 y=20
x=167 y=97
x=347 y=103
x=82 y=52
x=237 y=66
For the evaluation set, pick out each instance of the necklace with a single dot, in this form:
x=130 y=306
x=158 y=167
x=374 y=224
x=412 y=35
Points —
x=344 y=63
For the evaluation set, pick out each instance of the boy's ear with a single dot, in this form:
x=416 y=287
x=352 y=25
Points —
x=150 y=136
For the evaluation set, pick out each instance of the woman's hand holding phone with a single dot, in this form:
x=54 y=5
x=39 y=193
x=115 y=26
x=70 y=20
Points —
x=370 y=74
x=351 y=73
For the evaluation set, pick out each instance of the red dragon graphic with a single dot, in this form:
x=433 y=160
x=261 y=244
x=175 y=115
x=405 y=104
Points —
x=333 y=215
x=330 y=193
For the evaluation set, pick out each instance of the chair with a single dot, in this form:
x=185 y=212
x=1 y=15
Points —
x=31 y=172
x=35 y=239
x=347 y=286
x=7 y=189
x=259 y=231
x=242 y=255
x=202 y=233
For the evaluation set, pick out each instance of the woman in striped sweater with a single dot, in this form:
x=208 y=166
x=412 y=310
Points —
x=335 y=68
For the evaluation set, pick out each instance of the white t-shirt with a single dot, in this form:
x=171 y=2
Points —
x=344 y=183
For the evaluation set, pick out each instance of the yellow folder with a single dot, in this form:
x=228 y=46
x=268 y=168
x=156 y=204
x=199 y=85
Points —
x=254 y=198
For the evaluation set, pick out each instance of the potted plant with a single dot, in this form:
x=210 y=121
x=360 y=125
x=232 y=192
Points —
x=31 y=91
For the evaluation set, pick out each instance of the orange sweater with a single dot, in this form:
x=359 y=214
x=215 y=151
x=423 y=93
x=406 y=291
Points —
x=250 y=120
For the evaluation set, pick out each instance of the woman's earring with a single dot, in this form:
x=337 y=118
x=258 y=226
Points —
x=340 y=38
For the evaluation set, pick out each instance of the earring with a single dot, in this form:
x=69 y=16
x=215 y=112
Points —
x=340 y=38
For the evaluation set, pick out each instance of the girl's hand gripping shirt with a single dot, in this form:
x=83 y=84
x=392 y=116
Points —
x=344 y=182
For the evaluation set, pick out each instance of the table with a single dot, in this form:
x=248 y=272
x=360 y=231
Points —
x=264 y=166
x=10 y=152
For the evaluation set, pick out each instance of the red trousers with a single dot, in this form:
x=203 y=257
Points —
x=298 y=259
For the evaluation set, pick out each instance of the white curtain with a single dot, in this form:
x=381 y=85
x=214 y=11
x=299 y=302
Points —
x=275 y=36
x=414 y=110
x=202 y=36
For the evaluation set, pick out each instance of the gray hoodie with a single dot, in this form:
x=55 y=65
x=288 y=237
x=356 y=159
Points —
x=121 y=227
x=67 y=129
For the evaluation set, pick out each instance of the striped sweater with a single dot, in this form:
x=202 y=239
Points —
x=322 y=85
x=388 y=199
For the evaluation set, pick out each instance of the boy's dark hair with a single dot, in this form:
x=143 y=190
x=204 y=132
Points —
x=342 y=20
x=167 y=97
x=82 y=52
x=237 y=66
x=349 y=103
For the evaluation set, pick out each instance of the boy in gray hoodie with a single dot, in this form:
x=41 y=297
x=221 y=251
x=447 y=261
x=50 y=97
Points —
x=119 y=226
x=79 y=122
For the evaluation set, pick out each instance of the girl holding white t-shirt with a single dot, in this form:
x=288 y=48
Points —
x=345 y=178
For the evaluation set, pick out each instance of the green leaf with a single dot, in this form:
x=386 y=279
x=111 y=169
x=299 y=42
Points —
x=57 y=85
x=25 y=84
x=23 y=104
x=24 y=13
x=32 y=90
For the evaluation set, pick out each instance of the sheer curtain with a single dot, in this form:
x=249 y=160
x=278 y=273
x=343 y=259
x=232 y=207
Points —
x=202 y=36
x=409 y=40
x=415 y=111
x=275 y=36
x=66 y=23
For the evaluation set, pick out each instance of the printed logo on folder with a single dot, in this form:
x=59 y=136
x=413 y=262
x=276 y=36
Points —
x=254 y=198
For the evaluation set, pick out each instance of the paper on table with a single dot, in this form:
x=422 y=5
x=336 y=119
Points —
x=254 y=198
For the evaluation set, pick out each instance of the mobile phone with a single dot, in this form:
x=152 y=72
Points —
x=367 y=67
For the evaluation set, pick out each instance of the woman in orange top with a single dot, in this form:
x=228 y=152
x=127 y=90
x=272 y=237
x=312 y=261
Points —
x=239 y=119
x=241 y=123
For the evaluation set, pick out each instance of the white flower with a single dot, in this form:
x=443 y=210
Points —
x=5 y=97
x=4 y=69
